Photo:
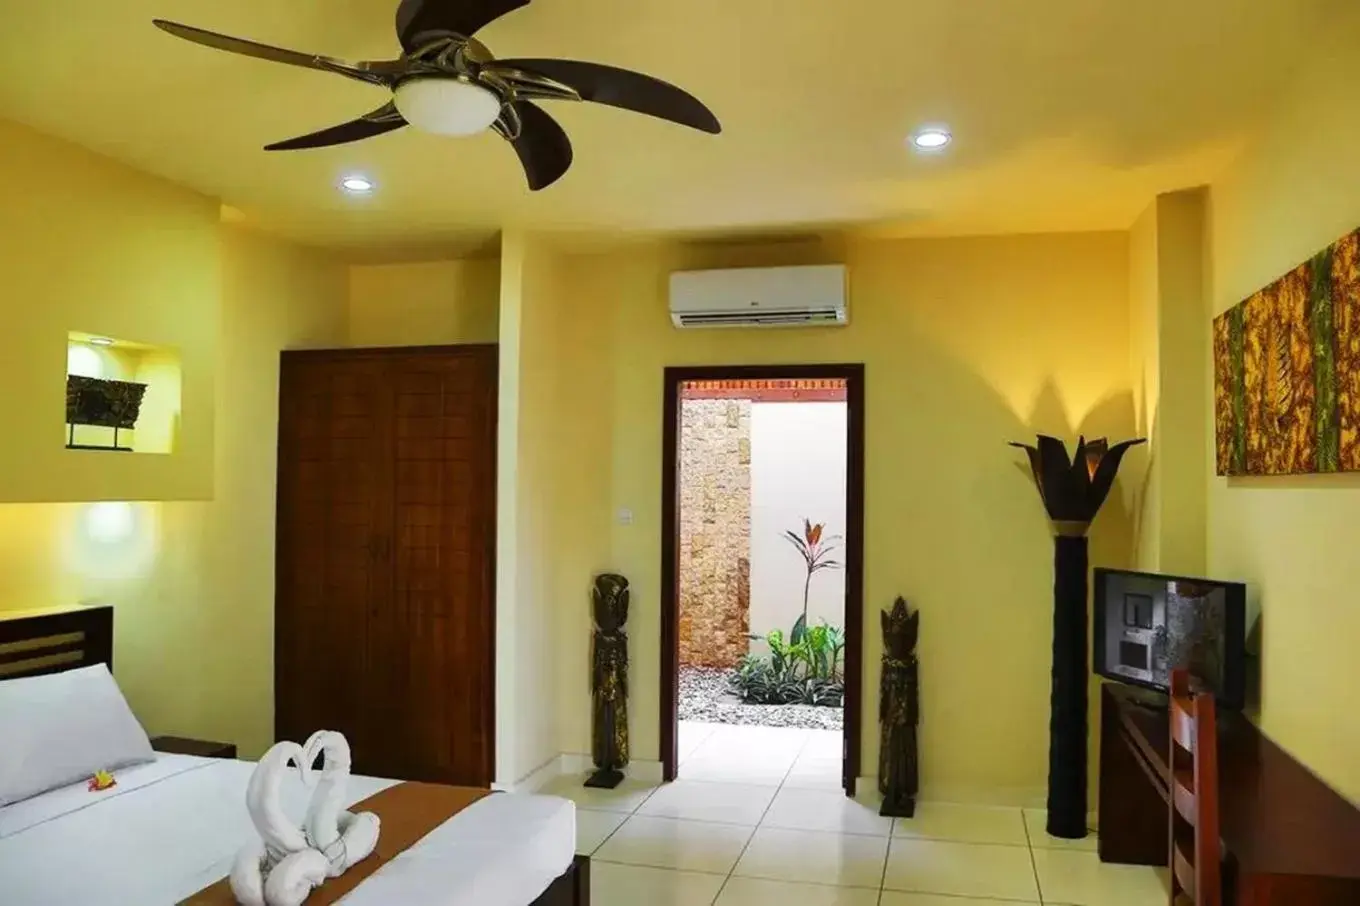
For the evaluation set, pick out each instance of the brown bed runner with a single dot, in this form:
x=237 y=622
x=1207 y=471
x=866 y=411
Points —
x=408 y=811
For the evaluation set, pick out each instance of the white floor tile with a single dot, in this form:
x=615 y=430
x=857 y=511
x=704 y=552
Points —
x=763 y=892
x=961 y=869
x=1037 y=818
x=633 y=885
x=728 y=803
x=760 y=769
x=825 y=810
x=1081 y=879
x=671 y=843
x=824 y=744
x=779 y=742
x=815 y=772
x=692 y=733
x=625 y=798
x=593 y=828
x=964 y=824
x=841 y=860
x=898 y=898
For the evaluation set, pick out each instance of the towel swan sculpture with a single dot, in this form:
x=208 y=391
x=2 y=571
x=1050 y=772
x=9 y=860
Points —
x=343 y=837
x=288 y=862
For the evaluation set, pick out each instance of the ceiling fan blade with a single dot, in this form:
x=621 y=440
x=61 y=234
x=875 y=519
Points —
x=384 y=119
x=620 y=88
x=464 y=17
x=380 y=73
x=542 y=146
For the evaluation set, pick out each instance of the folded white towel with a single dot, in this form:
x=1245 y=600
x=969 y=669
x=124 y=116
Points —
x=288 y=862
x=276 y=870
x=343 y=837
x=288 y=883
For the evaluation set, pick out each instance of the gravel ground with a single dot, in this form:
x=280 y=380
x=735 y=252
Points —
x=705 y=696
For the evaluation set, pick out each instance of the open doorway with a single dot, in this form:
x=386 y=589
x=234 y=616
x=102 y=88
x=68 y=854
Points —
x=762 y=574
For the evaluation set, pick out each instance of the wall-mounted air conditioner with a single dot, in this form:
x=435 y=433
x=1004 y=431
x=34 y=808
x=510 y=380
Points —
x=812 y=296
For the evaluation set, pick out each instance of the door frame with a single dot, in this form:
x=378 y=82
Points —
x=853 y=375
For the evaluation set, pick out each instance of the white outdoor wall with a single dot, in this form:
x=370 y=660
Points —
x=797 y=471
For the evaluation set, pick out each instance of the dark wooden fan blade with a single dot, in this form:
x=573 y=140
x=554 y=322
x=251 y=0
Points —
x=384 y=119
x=623 y=88
x=464 y=17
x=380 y=73
x=542 y=146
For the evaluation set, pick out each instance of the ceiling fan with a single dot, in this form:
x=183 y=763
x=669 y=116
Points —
x=449 y=83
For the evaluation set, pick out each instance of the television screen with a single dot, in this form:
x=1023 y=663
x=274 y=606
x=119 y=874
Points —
x=1146 y=625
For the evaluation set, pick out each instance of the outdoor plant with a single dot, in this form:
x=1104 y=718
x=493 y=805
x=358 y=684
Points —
x=805 y=668
x=806 y=672
x=816 y=553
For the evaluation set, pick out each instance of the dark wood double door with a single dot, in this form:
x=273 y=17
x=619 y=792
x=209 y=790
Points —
x=385 y=605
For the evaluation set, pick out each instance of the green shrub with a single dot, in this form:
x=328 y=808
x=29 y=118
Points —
x=805 y=670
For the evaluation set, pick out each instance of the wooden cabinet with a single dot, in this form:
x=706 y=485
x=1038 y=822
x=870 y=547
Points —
x=184 y=745
x=385 y=574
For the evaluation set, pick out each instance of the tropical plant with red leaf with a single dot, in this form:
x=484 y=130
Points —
x=815 y=548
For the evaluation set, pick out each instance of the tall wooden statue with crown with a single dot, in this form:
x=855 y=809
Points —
x=609 y=682
x=899 y=711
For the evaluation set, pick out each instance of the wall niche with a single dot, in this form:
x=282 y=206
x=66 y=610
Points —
x=121 y=396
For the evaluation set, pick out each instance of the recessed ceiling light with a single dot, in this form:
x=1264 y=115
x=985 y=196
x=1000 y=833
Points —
x=931 y=138
x=357 y=185
x=100 y=341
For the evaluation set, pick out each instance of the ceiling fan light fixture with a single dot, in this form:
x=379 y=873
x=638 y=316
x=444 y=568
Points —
x=447 y=106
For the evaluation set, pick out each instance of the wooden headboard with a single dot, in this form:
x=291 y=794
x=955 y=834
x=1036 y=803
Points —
x=48 y=641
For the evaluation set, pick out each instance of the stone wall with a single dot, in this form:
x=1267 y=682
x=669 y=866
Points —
x=715 y=531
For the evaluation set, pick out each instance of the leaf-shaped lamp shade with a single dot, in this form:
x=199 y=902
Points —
x=1073 y=489
x=1095 y=451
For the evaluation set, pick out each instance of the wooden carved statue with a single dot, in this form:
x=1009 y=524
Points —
x=103 y=404
x=609 y=682
x=899 y=711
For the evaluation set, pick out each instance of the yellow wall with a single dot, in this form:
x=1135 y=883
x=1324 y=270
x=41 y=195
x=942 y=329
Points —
x=275 y=296
x=1169 y=336
x=191 y=582
x=1293 y=539
x=424 y=304
x=90 y=245
x=1144 y=302
x=968 y=344
x=1183 y=336
x=508 y=697
x=553 y=532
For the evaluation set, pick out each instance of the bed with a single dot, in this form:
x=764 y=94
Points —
x=171 y=827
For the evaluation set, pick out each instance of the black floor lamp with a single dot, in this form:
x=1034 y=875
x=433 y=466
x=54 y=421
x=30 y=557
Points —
x=1073 y=490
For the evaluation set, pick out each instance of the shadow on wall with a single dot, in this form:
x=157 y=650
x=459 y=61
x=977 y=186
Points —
x=983 y=578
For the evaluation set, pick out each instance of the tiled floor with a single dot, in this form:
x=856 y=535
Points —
x=757 y=819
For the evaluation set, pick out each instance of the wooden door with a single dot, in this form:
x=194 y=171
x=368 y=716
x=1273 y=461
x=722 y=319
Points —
x=333 y=568
x=439 y=648
x=385 y=626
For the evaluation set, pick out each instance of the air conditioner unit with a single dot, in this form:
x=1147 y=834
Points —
x=760 y=297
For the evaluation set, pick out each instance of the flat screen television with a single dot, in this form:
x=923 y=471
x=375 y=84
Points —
x=1148 y=624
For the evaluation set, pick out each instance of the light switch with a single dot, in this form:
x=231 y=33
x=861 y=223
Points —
x=625 y=516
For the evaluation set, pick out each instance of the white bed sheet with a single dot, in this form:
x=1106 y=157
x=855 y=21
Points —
x=172 y=827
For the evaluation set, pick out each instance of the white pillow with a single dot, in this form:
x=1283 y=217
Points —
x=61 y=728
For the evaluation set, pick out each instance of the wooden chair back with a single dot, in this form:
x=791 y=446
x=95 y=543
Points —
x=1195 y=853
